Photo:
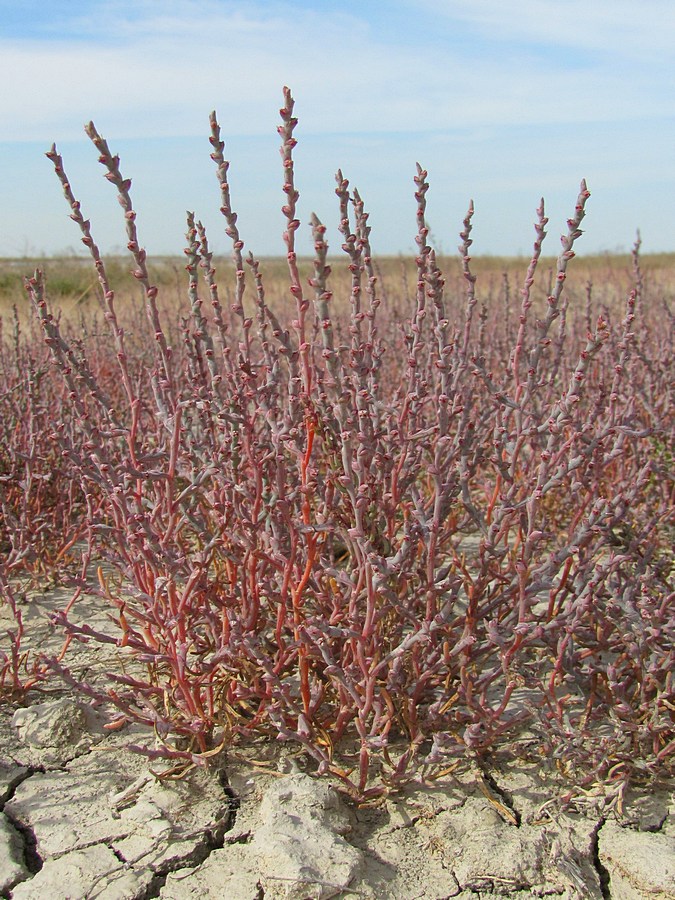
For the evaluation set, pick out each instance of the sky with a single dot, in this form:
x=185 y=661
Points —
x=502 y=103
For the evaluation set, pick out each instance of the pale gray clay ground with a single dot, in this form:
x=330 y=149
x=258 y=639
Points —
x=82 y=817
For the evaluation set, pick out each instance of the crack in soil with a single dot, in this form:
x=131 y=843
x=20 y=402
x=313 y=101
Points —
x=488 y=884
x=603 y=874
x=215 y=840
x=499 y=797
x=32 y=859
x=117 y=853
x=214 y=837
x=18 y=779
x=201 y=854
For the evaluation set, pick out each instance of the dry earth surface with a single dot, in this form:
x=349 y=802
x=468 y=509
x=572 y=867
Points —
x=82 y=817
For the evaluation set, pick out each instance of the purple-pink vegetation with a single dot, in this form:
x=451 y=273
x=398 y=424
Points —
x=390 y=542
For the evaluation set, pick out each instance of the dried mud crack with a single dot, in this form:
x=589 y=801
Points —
x=603 y=875
x=284 y=836
x=62 y=826
x=20 y=858
x=500 y=798
x=86 y=818
x=32 y=859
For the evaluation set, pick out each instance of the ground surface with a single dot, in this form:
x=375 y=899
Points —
x=82 y=817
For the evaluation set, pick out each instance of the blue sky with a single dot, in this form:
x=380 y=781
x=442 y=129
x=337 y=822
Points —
x=501 y=102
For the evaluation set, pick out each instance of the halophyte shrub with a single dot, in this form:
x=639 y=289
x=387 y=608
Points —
x=393 y=536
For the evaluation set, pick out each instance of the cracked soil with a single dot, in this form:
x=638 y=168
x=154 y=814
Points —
x=83 y=817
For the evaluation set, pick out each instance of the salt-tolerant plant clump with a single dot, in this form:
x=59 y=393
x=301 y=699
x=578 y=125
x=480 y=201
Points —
x=391 y=537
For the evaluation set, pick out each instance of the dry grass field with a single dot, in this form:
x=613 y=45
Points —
x=73 y=284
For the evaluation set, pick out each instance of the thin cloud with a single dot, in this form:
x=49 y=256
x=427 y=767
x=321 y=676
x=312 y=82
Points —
x=502 y=102
x=618 y=28
x=157 y=68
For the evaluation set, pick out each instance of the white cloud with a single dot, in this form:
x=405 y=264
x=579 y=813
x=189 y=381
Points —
x=158 y=68
x=621 y=28
x=500 y=101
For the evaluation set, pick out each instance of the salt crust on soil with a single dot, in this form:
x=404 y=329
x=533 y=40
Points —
x=82 y=817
